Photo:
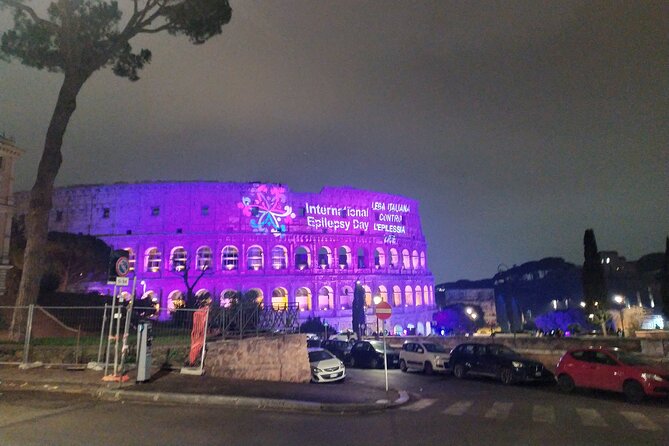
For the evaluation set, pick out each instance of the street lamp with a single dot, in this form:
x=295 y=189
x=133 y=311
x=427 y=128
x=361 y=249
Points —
x=377 y=300
x=620 y=300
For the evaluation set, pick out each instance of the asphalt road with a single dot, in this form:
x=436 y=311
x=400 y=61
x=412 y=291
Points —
x=443 y=410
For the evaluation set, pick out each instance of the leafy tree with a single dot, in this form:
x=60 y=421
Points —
x=313 y=325
x=664 y=282
x=69 y=259
x=78 y=38
x=358 y=310
x=594 y=284
x=454 y=319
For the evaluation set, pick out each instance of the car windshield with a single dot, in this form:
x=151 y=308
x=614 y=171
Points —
x=630 y=358
x=435 y=348
x=319 y=355
x=378 y=345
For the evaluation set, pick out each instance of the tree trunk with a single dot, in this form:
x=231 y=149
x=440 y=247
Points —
x=37 y=218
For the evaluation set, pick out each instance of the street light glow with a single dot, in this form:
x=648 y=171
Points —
x=377 y=300
x=619 y=299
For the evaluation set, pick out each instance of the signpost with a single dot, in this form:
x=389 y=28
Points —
x=384 y=311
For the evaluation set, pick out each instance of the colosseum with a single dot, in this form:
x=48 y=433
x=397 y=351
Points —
x=305 y=250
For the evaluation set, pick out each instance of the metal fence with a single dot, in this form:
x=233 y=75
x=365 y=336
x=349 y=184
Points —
x=107 y=338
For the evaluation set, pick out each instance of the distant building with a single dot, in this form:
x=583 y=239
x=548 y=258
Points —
x=298 y=250
x=480 y=293
x=8 y=155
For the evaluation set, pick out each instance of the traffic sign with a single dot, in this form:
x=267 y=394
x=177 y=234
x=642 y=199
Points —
x=121 y=281
x=122 y=266
x=383 y=310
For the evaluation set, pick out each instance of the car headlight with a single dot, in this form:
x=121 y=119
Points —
x=651 y=377
x=316 y=370
x=517 y=364
x=341 y=364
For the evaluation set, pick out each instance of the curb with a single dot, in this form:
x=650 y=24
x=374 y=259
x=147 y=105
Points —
x=107 y=394
x=250 y=402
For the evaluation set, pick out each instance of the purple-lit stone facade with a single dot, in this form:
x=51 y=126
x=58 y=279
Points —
x=304 y=249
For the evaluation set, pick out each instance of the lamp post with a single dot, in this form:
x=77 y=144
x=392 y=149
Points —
x=620 y=300
x=377 y=300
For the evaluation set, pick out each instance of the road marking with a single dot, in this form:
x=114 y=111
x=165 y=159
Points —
x=458 y=408
x=640 y=421
x=499 y=410
x=543 y=414
x=419 y=405
x=590 y=417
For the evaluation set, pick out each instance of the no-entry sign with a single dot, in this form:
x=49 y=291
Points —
x=383 y=311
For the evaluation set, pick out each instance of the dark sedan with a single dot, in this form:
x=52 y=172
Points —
x=370 y=354
x=341 y=349
x=496 y=361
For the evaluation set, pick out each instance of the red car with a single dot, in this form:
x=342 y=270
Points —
x=611 y=369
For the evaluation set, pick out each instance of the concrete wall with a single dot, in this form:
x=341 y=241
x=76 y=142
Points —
x=281 y=358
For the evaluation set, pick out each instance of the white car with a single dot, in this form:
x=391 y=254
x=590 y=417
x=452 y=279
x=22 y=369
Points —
x=325 y=367
x=427 y=357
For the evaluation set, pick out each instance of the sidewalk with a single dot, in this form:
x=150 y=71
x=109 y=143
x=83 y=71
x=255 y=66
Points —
x=172 y=387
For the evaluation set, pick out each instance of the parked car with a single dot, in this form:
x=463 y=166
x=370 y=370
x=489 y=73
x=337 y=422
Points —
x=325 y=367
x=341 y=349
x=427 y=357
x=611 y=369
x=496 y=361
x=370 y=354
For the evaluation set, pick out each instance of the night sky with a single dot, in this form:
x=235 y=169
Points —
x=517 y=125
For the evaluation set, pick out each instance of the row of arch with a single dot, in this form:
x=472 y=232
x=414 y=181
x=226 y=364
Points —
x=255 y=258
x=324 y=300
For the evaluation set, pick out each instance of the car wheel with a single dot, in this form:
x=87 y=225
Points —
x=459 y=371
x=506 y=376
x=403 y=365
x=565 y=383
x=633 y=391
x=374 y=363
x=427 y=368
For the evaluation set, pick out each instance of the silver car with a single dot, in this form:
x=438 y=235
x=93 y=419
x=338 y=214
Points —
x=325 y=367
x=426 y=357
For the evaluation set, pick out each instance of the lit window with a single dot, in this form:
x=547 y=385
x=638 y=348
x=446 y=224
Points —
x=394 y=258
x=344 y=257
x=279 y=257
x=131 y=258
x=362 y=258
x=324 y=257
x=230 y=258
x=153 y=259
x=397 y=296
x=408 y=296
x=254 y=258
x=379 y=258
x=303 y=299
x=178 y=259
x=302 y=258
x=406 y=261
x=203 y=258
x=414 y=259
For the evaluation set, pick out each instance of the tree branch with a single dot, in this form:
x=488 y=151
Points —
x=154 y=30
x=30 y=11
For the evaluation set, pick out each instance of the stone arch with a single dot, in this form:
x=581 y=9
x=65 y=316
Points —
x=178 y=259
x=229 y=257
x=382 y=292
x=346 y=298
x=379 y=258
x=368 y=296
x=422 y=259
x=419 y=296
x=279 y=257
x=303 y=298
x=279 y=298
x=397 y=296
x=406 y=260
x=394 y=258
x=324 y=257
x=408 y=296
x=426 y=296
x=260 y=296
x=302 y=258
x=344 y=257
x=152 y=259
x=254 y=257
x=361 y=256
x=325 y=298
x=227 y=296
x=175 y=301
x=203 y=258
